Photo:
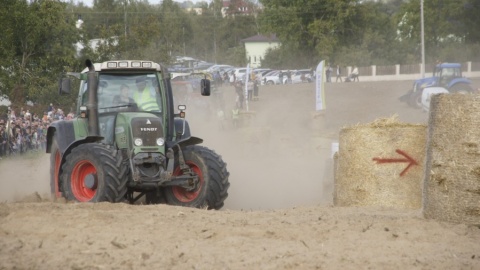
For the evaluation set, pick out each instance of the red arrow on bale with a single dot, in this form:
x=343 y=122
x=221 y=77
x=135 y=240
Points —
x=407 y=159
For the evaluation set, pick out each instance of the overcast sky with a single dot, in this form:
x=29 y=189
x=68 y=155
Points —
x=90 y=2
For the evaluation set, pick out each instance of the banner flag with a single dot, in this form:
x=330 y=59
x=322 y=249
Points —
x=320 y=92
x=247 y=77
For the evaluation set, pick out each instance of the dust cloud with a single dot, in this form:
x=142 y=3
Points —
x=277 y=156
x=25 y=178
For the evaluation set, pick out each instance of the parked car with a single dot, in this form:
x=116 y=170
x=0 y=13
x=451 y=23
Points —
x=219 y=68
x=271 y=78
x=240 y=74
x=269 y=72
x=259 y=73
x=202 y=66
x=302 y=76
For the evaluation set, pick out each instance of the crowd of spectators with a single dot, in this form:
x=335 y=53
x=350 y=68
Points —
x=22 y=131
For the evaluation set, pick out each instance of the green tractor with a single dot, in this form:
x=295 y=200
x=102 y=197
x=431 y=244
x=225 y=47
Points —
x=127 y=142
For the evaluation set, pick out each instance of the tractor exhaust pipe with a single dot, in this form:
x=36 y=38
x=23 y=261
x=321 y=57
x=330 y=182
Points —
x=92 y=104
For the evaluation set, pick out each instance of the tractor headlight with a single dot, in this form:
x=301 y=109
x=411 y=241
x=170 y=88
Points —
x=160 y=141
x=138 y=142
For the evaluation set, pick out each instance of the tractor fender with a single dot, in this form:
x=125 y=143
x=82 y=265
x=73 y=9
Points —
x=457 y=81
x=65 y=130
x=186 y=138
x=66 y=136
x=66 y=142
x=179 y=128
x=88 y=139
x=184 y=142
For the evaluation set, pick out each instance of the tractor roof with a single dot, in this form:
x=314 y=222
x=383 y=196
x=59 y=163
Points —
x=449 y=65
x=126 y=65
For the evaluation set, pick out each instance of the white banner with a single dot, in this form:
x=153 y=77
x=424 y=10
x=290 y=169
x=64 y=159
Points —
x=320 y=93
x=247 y=77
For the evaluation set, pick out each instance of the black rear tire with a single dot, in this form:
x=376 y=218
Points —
x=98 y=160
x=461 y=88
x=213 y=175
x=55 y=159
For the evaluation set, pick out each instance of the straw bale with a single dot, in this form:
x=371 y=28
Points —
x=452 y=175
x=360 y=181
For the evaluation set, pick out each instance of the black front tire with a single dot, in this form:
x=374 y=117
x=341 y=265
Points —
x=98 y=160
x=213 y=176
x=415 y=99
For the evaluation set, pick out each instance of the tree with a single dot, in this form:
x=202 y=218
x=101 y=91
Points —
x=174 y=22
x=371 y=38
x=450 y=27
x=310 y=29
x=160 y=32
x=37 y=45
x=471 y=9
x=218 y=39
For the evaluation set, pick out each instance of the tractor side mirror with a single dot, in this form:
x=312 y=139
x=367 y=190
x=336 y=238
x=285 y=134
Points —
x=64 y=86
x=205 y=87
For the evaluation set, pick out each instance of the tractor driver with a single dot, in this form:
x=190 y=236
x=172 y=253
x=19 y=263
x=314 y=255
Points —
x=144 y=96
x=123 y=97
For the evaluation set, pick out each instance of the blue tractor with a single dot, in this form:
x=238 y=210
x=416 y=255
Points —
x=446 y=75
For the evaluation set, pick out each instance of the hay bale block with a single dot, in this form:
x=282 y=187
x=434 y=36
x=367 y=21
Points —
x=452 y=175
x=374 y=168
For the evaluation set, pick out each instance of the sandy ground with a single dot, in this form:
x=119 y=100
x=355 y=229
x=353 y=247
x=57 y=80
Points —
x=278 y=215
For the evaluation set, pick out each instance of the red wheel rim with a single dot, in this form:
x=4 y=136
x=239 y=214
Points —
x=80 y=171
x=182 y=194
x=56 y=172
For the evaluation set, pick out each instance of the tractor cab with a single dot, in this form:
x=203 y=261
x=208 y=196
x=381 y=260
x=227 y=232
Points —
x=446 y=72
x=125 y=97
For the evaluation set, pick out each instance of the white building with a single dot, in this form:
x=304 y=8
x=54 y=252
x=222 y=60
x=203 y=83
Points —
x=257 y=46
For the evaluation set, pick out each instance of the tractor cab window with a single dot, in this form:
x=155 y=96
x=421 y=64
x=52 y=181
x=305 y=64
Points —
x=139 y=92
x=447 y=72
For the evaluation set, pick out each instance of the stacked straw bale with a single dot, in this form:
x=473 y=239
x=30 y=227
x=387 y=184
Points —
x=360 y=181
x=452 y=172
